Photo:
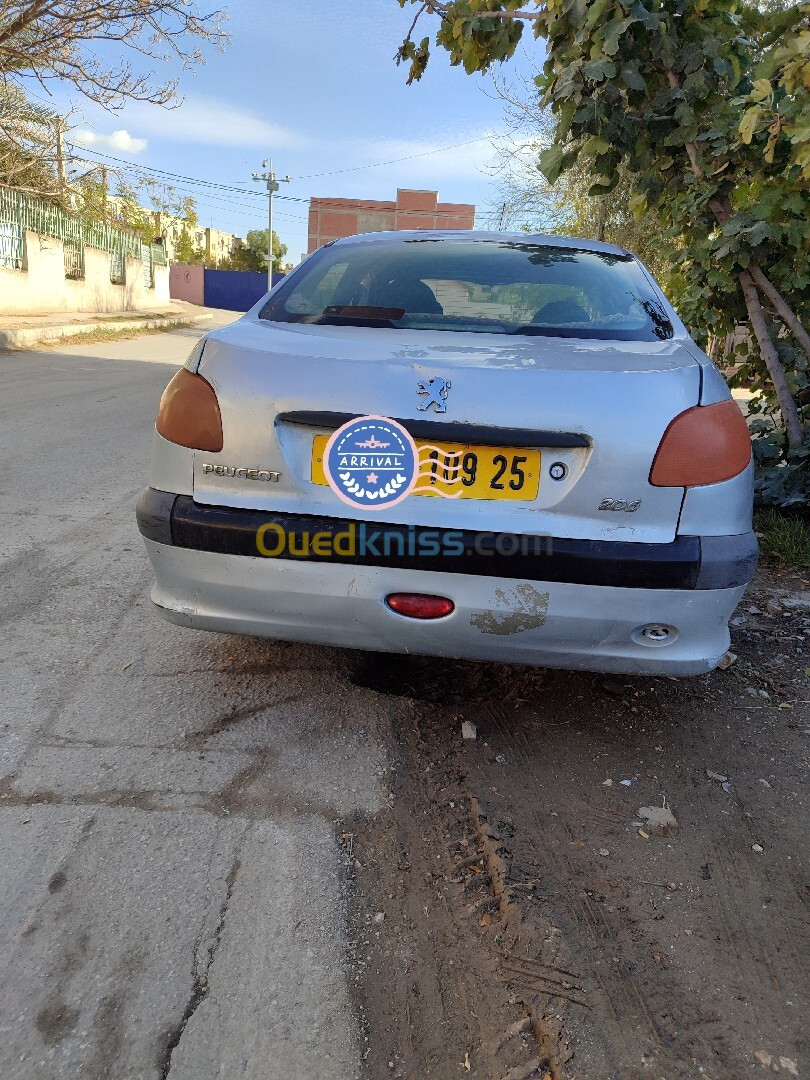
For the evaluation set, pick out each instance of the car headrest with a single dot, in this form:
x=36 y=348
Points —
x=561 y=311
x=413 y=295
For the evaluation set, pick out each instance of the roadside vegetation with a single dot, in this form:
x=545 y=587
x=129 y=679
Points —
x=784 y=538
x=102 y=334
x=694 y=118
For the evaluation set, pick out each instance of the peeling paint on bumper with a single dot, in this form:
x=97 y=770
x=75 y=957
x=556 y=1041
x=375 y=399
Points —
x=522 y=608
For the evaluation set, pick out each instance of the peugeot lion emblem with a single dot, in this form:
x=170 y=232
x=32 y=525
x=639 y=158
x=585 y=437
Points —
x=435 y=391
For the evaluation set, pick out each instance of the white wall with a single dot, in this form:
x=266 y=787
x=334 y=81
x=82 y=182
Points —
x=42 y=286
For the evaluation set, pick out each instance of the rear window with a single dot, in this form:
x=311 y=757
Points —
x=484 y=286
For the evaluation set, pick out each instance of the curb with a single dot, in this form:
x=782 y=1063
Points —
x=25 y=338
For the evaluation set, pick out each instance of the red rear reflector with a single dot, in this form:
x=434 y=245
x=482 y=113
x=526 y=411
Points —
x=704 y=445
x=419 y=606
x=189 y=413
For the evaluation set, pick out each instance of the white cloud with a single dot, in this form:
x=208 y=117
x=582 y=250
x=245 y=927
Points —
x=210 y=122
x=117 y=140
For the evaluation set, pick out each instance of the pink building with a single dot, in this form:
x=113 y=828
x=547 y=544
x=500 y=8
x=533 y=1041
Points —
x=330 y=219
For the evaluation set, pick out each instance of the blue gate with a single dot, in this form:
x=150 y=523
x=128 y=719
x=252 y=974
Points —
x=235 y=290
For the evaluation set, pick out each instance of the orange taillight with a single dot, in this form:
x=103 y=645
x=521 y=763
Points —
x=189 y=413
x=704 y=445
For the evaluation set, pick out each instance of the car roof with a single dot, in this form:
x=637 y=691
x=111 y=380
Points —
x=471 y=235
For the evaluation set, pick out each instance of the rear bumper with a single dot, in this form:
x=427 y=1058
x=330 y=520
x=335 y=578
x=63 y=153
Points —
x=504 y=616
x=519 y=622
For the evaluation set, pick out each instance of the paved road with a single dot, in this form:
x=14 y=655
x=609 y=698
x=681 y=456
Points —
x=174 y=894
x=171 y=900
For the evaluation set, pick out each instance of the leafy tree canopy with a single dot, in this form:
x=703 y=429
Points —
x=28 y=159
x=148 y=207
x=705 y=106
x=252 y=253
x=527 y=201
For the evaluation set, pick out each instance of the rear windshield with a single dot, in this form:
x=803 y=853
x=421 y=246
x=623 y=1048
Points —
x=484 y=286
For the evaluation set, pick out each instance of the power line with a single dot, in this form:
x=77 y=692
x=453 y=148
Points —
x=305 y=176
x=393 y=161
x=221 y=201
x=226 y=208
x=173 y=176
x=217 y=203
x=345 y=204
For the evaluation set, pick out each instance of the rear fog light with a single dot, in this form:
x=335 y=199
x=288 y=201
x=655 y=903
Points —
x=419 y=606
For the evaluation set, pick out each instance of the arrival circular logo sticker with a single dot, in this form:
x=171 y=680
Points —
x=371 y=462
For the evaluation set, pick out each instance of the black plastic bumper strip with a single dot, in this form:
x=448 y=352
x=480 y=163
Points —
x=178 y=520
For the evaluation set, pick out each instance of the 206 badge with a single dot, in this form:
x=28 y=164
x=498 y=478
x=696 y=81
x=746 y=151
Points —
x=435 y=391
x=620 y=504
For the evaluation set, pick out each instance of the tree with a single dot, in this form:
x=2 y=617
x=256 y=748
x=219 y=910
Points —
x=527 y=201
x=126 y=212
x=28 y=143
x=175 y=217
x=186 y=250
x=169 y=214
x=704 y=105
x=252 y=253
x=41 y=40
x=245 y=258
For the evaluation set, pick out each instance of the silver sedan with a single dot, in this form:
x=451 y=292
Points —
x=483 y=445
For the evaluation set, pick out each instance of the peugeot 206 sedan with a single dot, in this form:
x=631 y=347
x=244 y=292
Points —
x=481 y=445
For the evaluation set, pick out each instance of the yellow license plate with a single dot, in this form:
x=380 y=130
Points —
x=458 y=470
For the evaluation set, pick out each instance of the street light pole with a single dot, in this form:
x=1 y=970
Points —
x=272 y=187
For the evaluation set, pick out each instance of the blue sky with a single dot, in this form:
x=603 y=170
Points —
x=314 y=86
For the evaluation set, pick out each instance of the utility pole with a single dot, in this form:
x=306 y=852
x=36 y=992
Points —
x=272 y=187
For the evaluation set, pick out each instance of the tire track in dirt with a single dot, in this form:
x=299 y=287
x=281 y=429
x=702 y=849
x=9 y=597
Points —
x=449 y=1001
x=563 y=941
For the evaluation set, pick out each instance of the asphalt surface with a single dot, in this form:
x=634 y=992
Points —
x=231 y=858
x=171 y=901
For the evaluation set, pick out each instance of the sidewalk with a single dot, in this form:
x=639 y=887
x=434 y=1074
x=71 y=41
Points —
x=26 y=331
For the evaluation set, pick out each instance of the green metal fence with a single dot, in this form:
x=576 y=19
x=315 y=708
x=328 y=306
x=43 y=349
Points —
x=28 y=212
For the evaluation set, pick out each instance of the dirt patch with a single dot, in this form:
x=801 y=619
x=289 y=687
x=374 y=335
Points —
x=522 y=911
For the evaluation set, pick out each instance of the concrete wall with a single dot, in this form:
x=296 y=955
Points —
x=187 y=283
x=42 y=286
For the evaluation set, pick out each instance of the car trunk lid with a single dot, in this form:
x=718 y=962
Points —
x=595 y=409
